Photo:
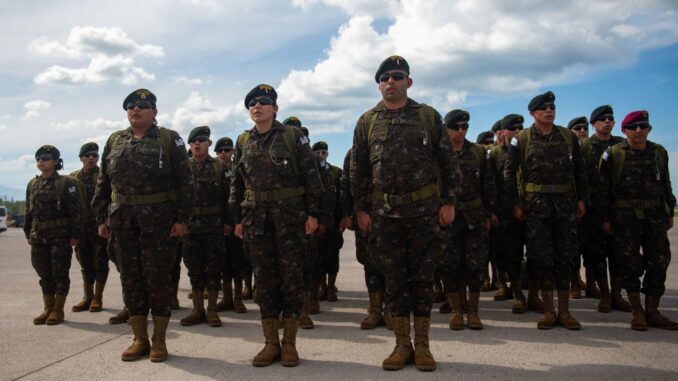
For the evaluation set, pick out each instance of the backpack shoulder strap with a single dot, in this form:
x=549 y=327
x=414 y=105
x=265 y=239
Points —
x=291 y=142
x=618 y=157
x=524 y=137
x=567 y=135
x=243 y=138
x=586 y=147
x=369 y=118
x=219 y=172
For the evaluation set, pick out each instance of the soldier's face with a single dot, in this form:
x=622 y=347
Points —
x=636 y=135
x=46 y=165
x=498 y=135
x=225 y=155
x=545 y=116
x=394 y=90
x=139 y=117
x=199 y=147
x=322 y=154
x=263 y=113
x=604 y=126
x=89 y=160
x=582 y=132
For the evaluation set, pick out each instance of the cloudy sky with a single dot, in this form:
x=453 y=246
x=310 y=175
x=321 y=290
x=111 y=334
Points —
x=67 y=65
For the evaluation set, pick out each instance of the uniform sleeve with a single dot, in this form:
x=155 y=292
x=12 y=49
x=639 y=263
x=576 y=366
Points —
x=226 y=216
x=511 y=167
x=327 y=198
x=102 y=192
x=310 y=175
x=345 y=188
x=237 y=186
x=183 y=179
x=360 y=176
x=488 y=183
x=666 y=184
x=449 y=164
x=28 y=218
x=72 y=198
x=605 y=195
x=579 y=166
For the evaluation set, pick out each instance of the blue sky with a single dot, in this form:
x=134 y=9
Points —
x=67 y=65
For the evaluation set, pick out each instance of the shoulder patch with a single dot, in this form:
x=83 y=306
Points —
x=514 y=142
x=489 y=153
x=606 y=155
x=71 y=189
x=303 y=140
x=179 y=142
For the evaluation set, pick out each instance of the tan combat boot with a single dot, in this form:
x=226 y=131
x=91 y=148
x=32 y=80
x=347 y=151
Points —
x=238 y=305
x=533 y=302
x=591 y=289
x=121 y=317
x=548 y=319
x=519 y=305
x=473 y=318
x=388 y=318
x=654 y=317
x=575 y=285
x=502 y=292
x=288 y=354
x=48 y=301
x=197 y=315
x=56 y=316
x=638 y=319
x=618 y=302
x=212 y=316
x=98 y=300
x=305 y=321
x=332 y=288
x=564 y=316
x=423 y=359
x=271 y=351
x=140 y=346
x=226 y=303
x=158 y=345
x=457 y=320
x=83 y=305
x=314 y=300
x=374 y=311
x=403 y=353
x=605 y=303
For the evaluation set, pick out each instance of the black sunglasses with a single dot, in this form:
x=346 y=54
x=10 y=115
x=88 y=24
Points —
x=200 y=139
x=142 y=105
x=515 y=127
x=44 y=158
x=457 y=127
x=264 y=101
x=396 y=77
x=222 y=150
x=579 y=128
x=543 y=107
x=642 y=126
x=91 y=155
x=605 y=118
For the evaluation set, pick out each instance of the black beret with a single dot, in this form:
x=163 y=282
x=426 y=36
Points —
x=577 y=121
x=319 y=146
x=199 y=131
x=48 y=150
x=511 y=120
x=223 y=143
x=139 y=95
x=262 y=90
x=292 y=121
x=600 y=111
x=90 y=147
x=486 y=137
x=455 y=116
x=541 y=99
x=392 y=63
x=496 y=126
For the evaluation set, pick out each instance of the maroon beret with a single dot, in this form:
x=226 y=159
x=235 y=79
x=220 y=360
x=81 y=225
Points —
x=640 y=116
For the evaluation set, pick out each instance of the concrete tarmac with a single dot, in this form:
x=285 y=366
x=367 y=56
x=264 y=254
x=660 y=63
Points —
x=509 y=348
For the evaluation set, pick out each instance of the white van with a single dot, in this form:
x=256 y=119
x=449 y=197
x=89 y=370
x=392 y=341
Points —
x=3 y=218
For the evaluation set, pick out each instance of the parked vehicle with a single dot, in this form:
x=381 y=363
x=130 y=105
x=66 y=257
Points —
x=3 y=218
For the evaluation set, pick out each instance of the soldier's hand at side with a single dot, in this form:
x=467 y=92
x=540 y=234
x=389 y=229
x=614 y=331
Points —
x=494 y=219
x=311 y=225
x=364 y=222
x=228 y=229
x=446 y=215
x=581 y=209
x=345 y=223
x=103 y=231
x=519 y=213
x=178 y=230
x=238 y=231
x=607 y=227
x=670 y=224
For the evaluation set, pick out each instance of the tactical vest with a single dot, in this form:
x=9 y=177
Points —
x=524 y=139
x=467 y=166
x=60 y=185
x=218 y=179
x=288 y=136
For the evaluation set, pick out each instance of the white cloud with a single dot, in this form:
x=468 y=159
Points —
x=378 y=8
x=3 y=126
x=98 y=124
x=111 y=54
x=20 y=164
x=34 y=107
x=188 y=81
x=198 y=110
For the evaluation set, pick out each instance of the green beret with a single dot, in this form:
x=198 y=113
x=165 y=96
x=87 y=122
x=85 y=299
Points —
x=319 y=146
x=139 y=95
x=262 y=90
x=199 y=131
x=577 y=121
x=511 y=120
x=87 y=148
x=455 y=116
x=292 y=121
x=486 y=137
x=223 y=143
x=48 y=150
x=392 y=63
x=600 y=111
x=541 y=99
x=496 y=126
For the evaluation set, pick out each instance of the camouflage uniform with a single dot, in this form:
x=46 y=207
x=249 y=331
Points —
x=135 y=196
x=272 y=200
x=396 y=163
x=330 y=243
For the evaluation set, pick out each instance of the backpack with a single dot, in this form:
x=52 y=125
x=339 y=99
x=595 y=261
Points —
x=524 y=138
x=290 y=141
x=619 y=155
x=80 y=194
x=165 y=143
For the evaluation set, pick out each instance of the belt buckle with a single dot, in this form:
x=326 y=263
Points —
x=264 y=196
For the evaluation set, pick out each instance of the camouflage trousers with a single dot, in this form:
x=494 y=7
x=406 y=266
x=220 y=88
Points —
x=175 y=268
x=145 y=256
x=277 y=244
x=407 y=250
x=552 y=243
x=630 y=235
x=236 y=263
x=52 y=262
x=466 y=255
x=93 y=258
x=510 y=242
x=311 y=263
x=204 y=255
x=329 y=246
x=374 y=279
x=598 y=248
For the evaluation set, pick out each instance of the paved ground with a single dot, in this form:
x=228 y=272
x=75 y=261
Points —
x=510 y=347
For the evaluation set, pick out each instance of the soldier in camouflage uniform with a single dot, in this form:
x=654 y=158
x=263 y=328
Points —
x=236 y=264
x=203 y=244
x=499 y=273
x=91 y=252
x=402 y=205
x=598 y=246
x=52 y=227
x=143 y=200
x=638 y=206
x=554 y=190
x=274 y=199
x=467 y=249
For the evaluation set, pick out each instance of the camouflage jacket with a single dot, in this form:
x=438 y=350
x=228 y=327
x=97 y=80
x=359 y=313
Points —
x=89 y=182
x=228 y=177
x=478 y=192
x=593 y=149
x=264 y=164
x=211 y=198
x=505 y=202
x=400 y=158
x=345 y=188
x=51 y=216
x=141 y=166
x=549 y=163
